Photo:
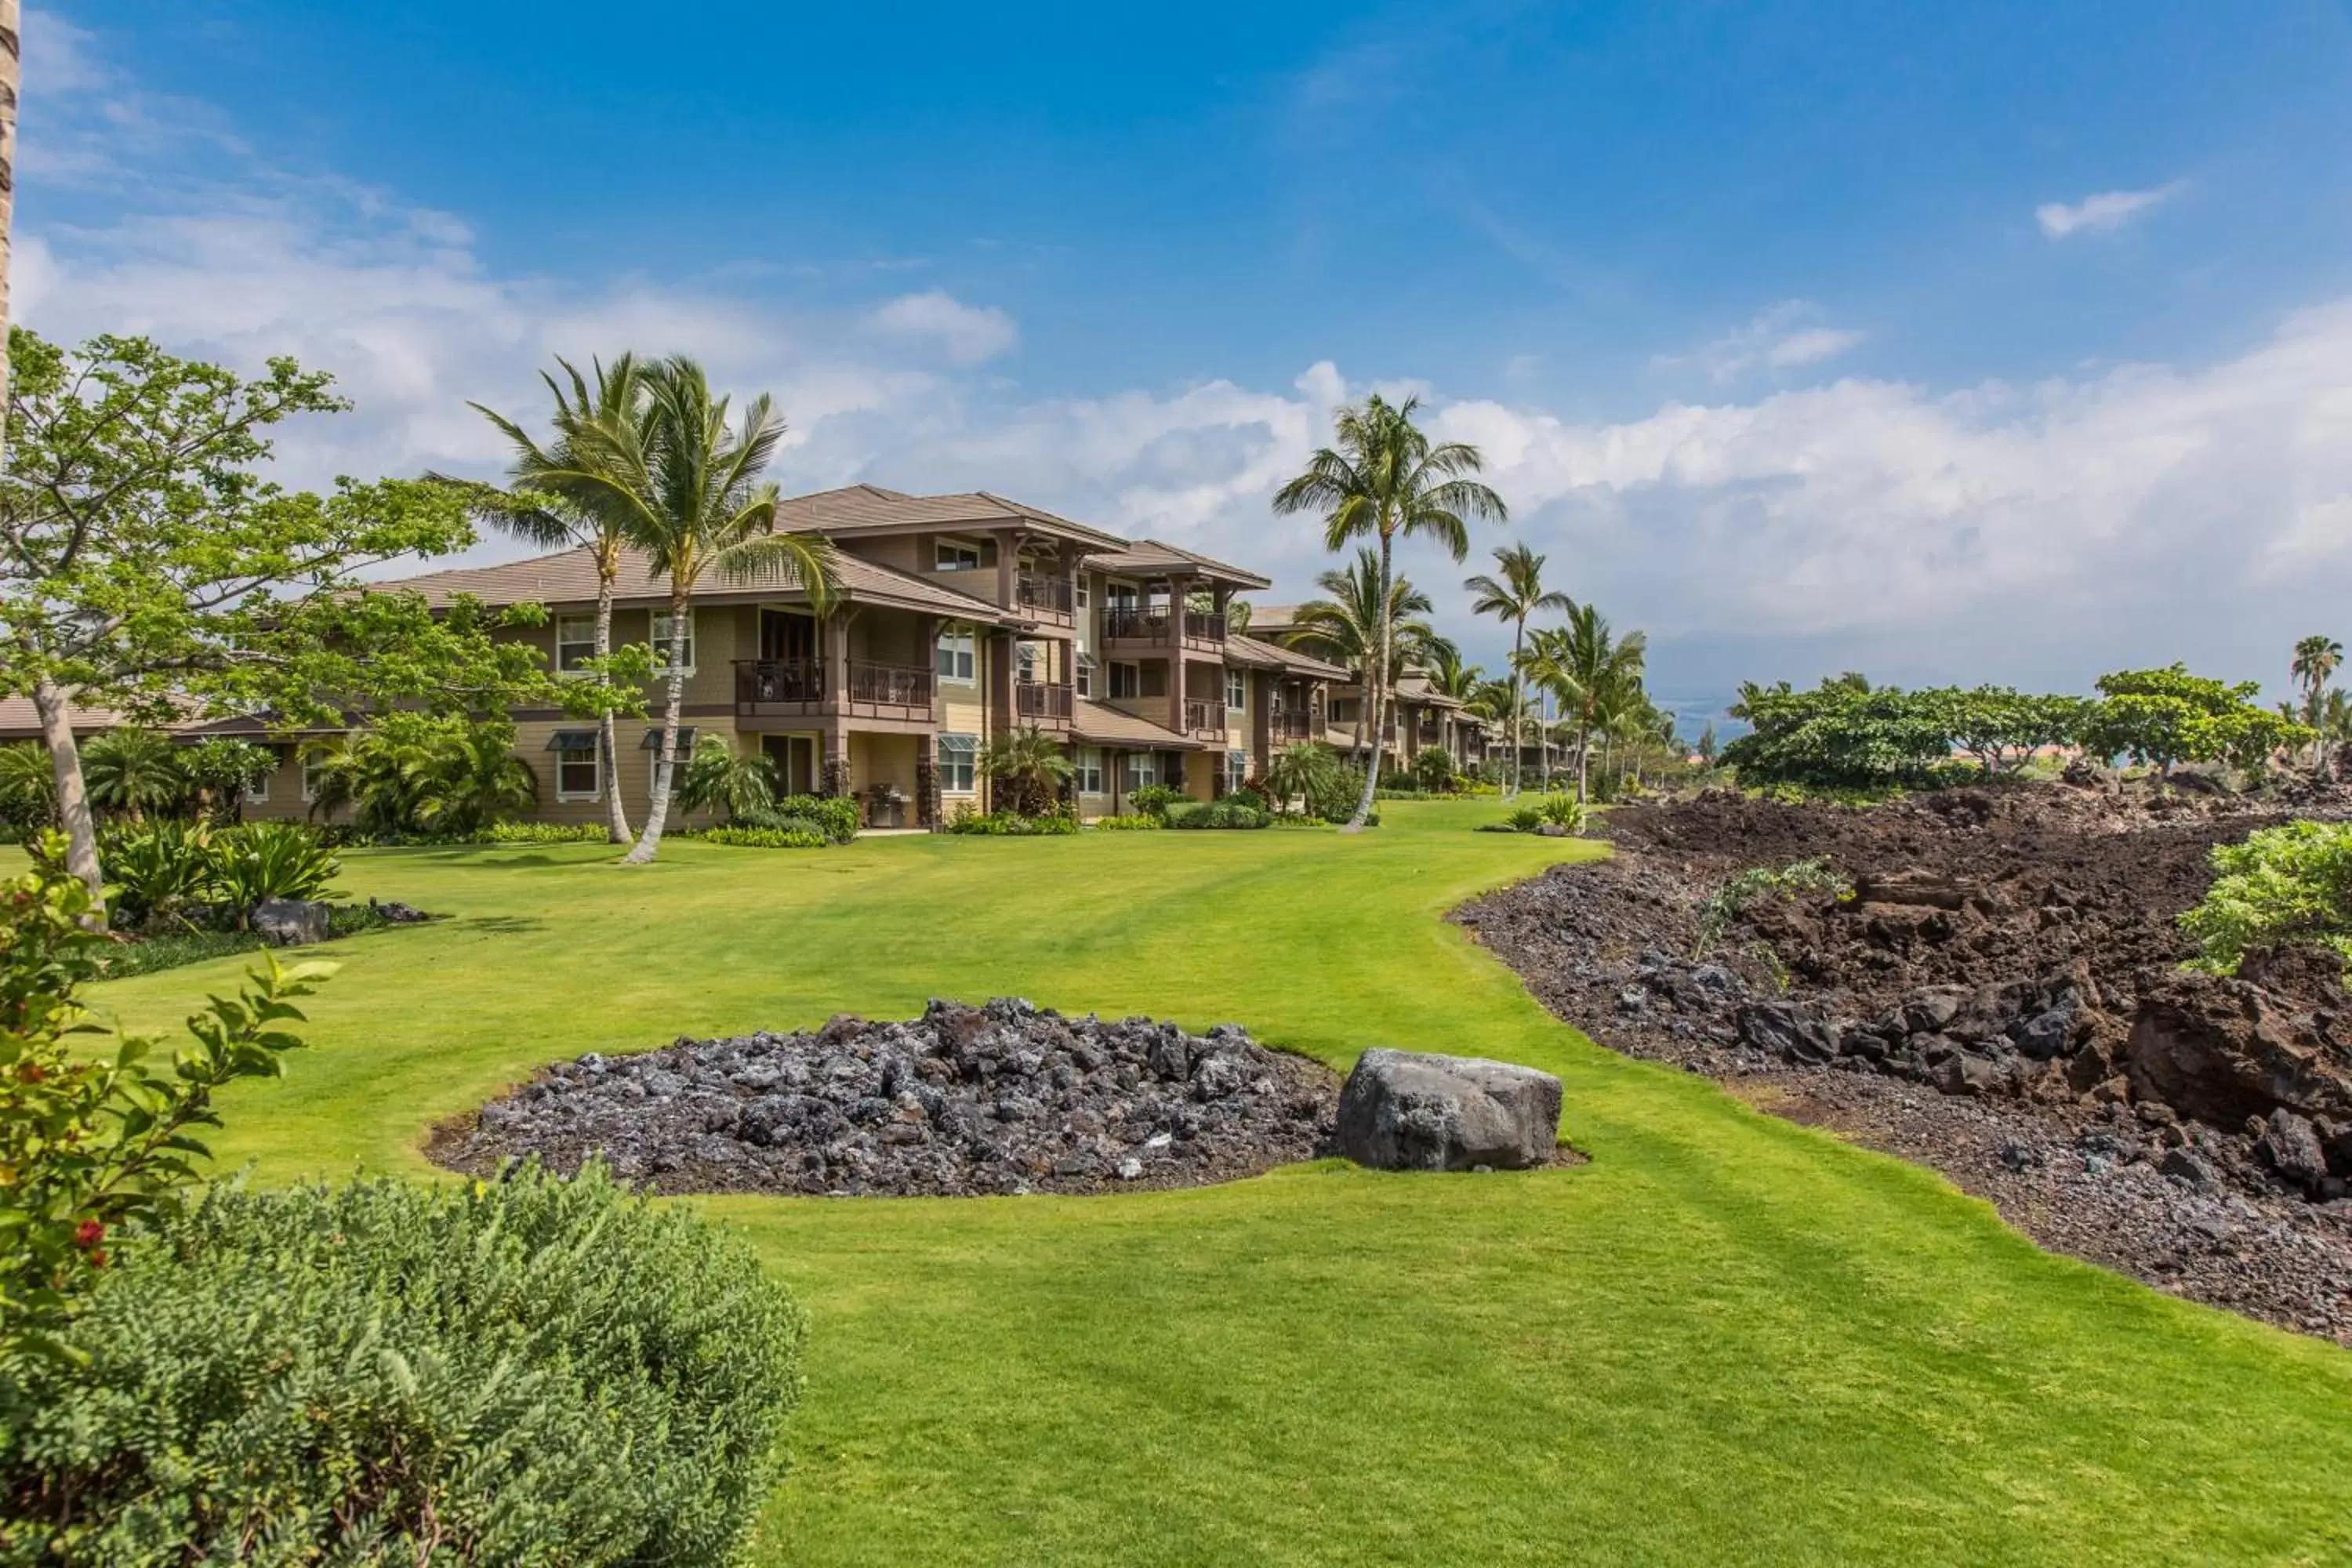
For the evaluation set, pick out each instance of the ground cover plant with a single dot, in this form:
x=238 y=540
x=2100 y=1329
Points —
x=1727 y=1338
x=2292 y=883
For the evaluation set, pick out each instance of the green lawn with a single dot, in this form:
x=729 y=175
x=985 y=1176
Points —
x=1727 y=1339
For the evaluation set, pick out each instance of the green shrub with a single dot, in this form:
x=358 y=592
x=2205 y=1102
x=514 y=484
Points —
x=543 y=833
x=1219 y=813
x=159 y=871
x=1153 y=800
x=1007 y=825
x=1138 y=823
x=1432 y=769
x=529 y=1370
x=1525 y=818
x=2292 y=883
x=1246 y=795
x=835 y=817
x=802 y=836
x=1761 y=882
x=264 y=860
x=1561 y=809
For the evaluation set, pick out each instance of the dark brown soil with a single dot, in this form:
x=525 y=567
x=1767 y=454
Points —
x=2000 y=997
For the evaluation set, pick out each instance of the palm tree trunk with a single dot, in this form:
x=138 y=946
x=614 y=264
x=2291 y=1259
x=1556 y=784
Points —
x=11 y=70
x=666 y=759
x=617 y=810
x=73 y=797
x=1519 y=702
x=1583 y=751
x=1379 y=692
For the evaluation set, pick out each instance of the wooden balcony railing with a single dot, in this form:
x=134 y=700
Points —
x=890 y=685
x=1128 y=624
x=1037 y=699
x=1206 y=624
x=779 y=680
x=1291 y=724
x=1052 y=594
x=1204 y=717
x=787 y=682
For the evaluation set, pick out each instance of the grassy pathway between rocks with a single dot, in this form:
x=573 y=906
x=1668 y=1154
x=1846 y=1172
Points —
x=1727 y=1339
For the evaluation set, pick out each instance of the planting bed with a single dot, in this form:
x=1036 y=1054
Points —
x=1998 y=995
x=1005 y=1098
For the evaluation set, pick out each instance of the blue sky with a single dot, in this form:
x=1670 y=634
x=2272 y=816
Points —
x=1949 y=341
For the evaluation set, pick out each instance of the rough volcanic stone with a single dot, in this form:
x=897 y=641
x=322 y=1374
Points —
x=291 y=923
x=1409 y=1111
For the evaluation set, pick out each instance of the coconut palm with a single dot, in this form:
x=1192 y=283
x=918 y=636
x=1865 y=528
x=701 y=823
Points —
x=1384 y=479
x=1306 y=772
x=1237 y=616
x=1514 y=592
x=688 y=489
x=717 y=777
x=133 y=771
x=474 y=778
x=1584 y=664
x=1442 y=666
x=546 y=507
x=1344 y=626
x=2315 y=660
x=1032 y=765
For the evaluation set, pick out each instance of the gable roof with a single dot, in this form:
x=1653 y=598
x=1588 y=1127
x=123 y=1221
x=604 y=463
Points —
x=19 y=719
x=1150 y=557
x=1105 y=726
x=568 y=577
x=854 y=509
x=1251 y=650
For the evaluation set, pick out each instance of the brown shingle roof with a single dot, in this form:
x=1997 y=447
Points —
x=1251 y=650
x=20 y=720
x=1152 y=558
x=861 y=509
x=1101 y=726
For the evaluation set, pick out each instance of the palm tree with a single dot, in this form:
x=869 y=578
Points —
x=687 y=490
x=2315 y=660
x=28 y=789
x=11 y=70
x=2335 y=726
x=1346 y=625
x=1442 y=666
x=1384 y=479
x=133 y=771
x=548 y=507
x=716 y=776
x=1033 y=766
x=1304 y=771
x=1237 y=617
x=1584 y=665
x=1514 y=592
x=473 y=779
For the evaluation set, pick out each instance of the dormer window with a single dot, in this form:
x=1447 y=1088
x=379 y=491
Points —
x=952 y=557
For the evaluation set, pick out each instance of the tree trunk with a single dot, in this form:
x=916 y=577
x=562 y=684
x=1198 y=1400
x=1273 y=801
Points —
x=617 y=810
x=1518 y=702
x=73 y=798
x=666 y=759
x=1543 y=750
x=1379 y=692
x=11 y=68
x=1584 y=754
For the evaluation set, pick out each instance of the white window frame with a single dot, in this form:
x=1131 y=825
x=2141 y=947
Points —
x=1135 y=681
x=1080 y=598
x=584 y=638
x=1090 y=780
x=1084 y=677
x=1236 y=689
x=967 y=748
x=312 y=762
x=256 y=788
x=1142 y=770
x=1236 y=768
x=948 y=556
x=594 y=755
x=1025 y=660
x=661 y=642
x=953 y=649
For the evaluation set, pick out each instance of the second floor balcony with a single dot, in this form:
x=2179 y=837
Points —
x=813 y=688
x=1044 y=705
x=1046 y=597
x=1204 y=718
x=1137 y=627
x=1292 y=724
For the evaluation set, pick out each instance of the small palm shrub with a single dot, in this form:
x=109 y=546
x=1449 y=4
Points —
x=1561 y=809
x=1525 y=818
x=1432 y=769
x=2292 y=883
x=1030 y=767
x=530 y=1371
x=411 y=775
x=717 y=779
x=133 y=770
x=29 y=790
x=264 y=861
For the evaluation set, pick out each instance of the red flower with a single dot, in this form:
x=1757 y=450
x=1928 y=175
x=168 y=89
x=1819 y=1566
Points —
x=91 y=1233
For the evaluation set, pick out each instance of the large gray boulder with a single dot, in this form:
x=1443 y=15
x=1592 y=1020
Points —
x=291 y=923
x=1407 y=1110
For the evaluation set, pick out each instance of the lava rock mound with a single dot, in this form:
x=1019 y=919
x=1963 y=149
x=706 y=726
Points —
x=963 y=1102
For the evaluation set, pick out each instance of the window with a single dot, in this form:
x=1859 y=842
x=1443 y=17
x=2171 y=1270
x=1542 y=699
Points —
x=257 y=789
x=1343 y=710
x=1027 y=655
x=1086 y=675
x=662 y=619
x=1126 y=681
x=313 y=764
x=951 y=557
x=959 y=763
x=652 y=742
x=1236 y=690
x=955 y=656
x=578 y=766
x=1143 y=769
x=1081 y=596
x=1236 y=769
x=1090 y=770
x=1155 y=678
x=575 y=643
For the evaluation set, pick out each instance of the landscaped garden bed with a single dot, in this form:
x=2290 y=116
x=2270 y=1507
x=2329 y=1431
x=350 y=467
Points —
x=1005 y=1098
x=1991 y=982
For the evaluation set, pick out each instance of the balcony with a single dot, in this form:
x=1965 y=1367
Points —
x=1045 y=598
x=1204 y=718
x=1291 y=724
x=1046 y=706
x=1142 y=629
x=798 y=689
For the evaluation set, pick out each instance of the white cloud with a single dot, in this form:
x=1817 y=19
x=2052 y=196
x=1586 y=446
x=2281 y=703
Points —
x=2105 y=212
x=969 y=334
x=1788 y=336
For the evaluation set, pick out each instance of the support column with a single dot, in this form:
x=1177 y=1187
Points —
x=1263 y=683
x=1178 y=588
x=833 y=631
x=1008 y=565
x=1002 y=667
x=927 y=781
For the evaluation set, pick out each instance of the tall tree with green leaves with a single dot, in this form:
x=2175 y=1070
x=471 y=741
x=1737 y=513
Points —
x=689 y=489
x=1344 y=626
x=1514 y=592
x=148 y=563
x=548 y=506
x=2316 y=659
x=1384 y=479
x=1585 y=665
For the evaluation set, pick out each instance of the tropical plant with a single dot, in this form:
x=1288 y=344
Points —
x=1514 y=592
x=808 y=836
x=1306 y=772
x=133 y=771
x=1032 y=766
x=1557 y=808
x=1153 y=800
x=1587 y=668
x=93 y=1140
x=1384 y=479
x=550 y=504
x=220 y=769
x=264 y=861
x=28 y=788
x=1433 y=768
x=2164 y=716
x=531 y=1370
x=1011 y=823
x=2292 y=883
x=686 y=487
x=1760 y=883
x=1344 y=626
x=718 y=779
x=1134 y=822
x=834 y=816
x=473 y=778
x=160 y=869
x=1218 y=814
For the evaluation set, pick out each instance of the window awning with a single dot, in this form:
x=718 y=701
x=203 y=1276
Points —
x=573 y=741
x=652 y=741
